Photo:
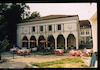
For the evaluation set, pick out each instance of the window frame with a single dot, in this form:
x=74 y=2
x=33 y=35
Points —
x=87 y=32
x=82 y=32
x=34 y=29
x=42 y=28
x=49 y=28
x=58 y=27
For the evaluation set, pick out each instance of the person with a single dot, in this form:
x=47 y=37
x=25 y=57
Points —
x=92 y=59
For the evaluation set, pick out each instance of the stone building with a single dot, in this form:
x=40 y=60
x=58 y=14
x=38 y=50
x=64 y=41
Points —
x=94 y=24
x=62 y=31
x=85 y=32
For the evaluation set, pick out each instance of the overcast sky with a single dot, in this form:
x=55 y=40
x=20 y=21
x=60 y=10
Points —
x=84 y=10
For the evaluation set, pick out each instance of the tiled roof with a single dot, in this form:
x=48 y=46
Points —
x=51 y=17
x=84 y=23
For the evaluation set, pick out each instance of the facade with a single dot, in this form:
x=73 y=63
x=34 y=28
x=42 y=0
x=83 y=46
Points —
x=62 y=31
x=85 y=32
x=93 y=21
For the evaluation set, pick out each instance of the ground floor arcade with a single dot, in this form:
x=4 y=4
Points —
x=60 y=41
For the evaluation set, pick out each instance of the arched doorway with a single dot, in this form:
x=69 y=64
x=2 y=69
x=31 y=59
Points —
x=51 y=43
x=25 y=42
x=71 y=42
x=32 y=44
x=60 y=42
x=41 y=45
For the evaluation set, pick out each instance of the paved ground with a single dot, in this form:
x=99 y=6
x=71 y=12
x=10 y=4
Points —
x=22 y=62
x=86 y=60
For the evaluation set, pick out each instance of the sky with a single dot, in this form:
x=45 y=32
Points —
x=83 y=10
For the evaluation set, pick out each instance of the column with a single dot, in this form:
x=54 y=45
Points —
x=28 y=43
x=29 y=30
x=77 y=43
x=46 y=40
x=55 y=43
x=63 y=27
x=45 y=29
x=54 y=28
x=37 y=29
x=36 y=41
x=66 y=43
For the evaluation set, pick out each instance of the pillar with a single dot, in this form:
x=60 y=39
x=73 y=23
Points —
x=66 y=43
x=77 y=43
x=28 y=43
x=36 y=41
x=55 y=43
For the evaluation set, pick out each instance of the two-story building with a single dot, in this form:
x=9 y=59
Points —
x=85 y=32
x=62 y=31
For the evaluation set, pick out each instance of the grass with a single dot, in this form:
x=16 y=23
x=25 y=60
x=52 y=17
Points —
x=62 y=61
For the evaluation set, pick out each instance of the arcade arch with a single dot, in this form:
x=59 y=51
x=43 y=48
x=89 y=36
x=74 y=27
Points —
x=71 y=41
x=25 y=42
x=60 y=42
x=33 y=44
x=51 y=43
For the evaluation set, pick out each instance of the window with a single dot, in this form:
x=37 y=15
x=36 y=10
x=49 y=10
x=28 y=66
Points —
x=87 y=32
x=50 y=28
x=59 y=27
x=33 y=28
x=87 y=40
x=82 y=32
x=41 y=28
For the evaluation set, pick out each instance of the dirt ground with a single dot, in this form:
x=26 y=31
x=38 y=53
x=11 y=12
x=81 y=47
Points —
x=40 y=58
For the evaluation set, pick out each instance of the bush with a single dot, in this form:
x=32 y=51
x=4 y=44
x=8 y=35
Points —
x=3 y=45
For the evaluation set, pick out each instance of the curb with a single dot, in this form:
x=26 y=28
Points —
x=29 y=65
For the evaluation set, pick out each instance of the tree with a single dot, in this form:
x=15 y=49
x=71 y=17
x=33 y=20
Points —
x=4 y=42
x=10 y=15
x=35 y=14
x=13 y=15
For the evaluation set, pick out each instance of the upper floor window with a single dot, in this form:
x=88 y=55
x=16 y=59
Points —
x=33 y=28
x=50 y=28
x=59 y=26
x=87 y=32
x=41 y=28
x=82 y=32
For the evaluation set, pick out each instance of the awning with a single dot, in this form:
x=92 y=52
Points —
x=24 y=40
x=44 y=41
x=32 y=41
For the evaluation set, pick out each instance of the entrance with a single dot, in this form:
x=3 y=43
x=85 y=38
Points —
x=71 y=42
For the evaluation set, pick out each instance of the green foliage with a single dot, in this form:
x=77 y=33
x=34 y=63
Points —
x=59 y=67
x=85 y=66
x=12 y=14
x=4 y=44
x=62 y=61
x=35 y=14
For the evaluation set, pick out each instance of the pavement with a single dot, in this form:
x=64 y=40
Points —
x=86 y=61
x=24 y=62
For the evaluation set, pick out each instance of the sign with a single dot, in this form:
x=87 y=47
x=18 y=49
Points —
x=92 y=60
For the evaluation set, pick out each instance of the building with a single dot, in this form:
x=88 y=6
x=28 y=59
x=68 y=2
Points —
x=62 y=31
x=93 y=21
x=85 y=32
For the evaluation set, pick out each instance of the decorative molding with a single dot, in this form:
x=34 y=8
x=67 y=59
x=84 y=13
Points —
x=54 y=28
x=63 y=27
x=70 y=27
x=45 y=29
